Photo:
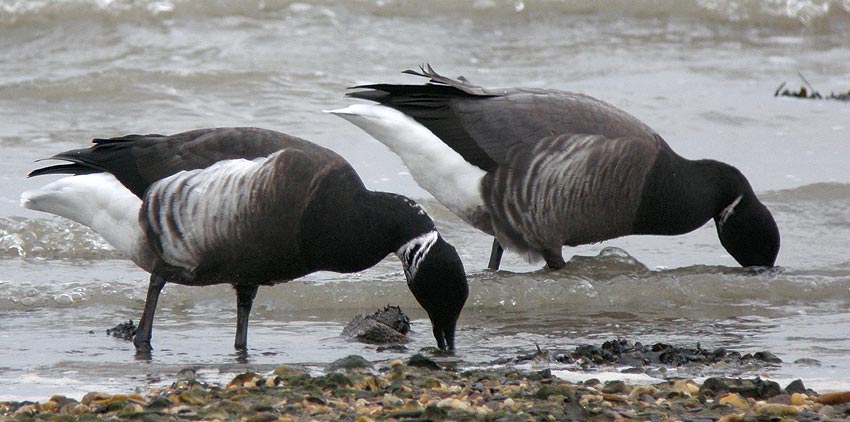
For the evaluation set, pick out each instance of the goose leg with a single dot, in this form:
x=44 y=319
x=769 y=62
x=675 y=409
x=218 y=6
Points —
x=245 y=295
x=495 y=255
x=142 y=340
x=554 y=260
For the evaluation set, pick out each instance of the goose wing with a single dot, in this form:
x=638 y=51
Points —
x=137 y=161
x=568 y=190
x=238 y=219
x=482 y=124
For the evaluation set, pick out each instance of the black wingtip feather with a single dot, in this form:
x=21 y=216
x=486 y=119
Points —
x=74 y=169
x=78 y=166
x=125 y=138
x=77 y=161
x=373 y=93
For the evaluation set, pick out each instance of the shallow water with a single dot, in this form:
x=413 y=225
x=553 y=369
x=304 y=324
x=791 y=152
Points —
x=702 y=73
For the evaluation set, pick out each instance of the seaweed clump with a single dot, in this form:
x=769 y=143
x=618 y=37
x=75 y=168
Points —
x=389 y=325
x=809 y=92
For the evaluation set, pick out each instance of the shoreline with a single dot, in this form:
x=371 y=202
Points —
x=418 y=389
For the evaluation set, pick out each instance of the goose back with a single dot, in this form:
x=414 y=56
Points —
x=139 y=160
x=483 y=124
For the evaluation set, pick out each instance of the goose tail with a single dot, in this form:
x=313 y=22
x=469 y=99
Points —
x=98 y=201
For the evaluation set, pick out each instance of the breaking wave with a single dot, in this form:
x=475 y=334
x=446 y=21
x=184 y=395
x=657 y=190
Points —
x=764 y=12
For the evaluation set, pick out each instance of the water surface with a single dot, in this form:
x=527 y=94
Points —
x=700 y=72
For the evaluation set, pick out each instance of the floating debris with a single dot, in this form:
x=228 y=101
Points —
x=809 y=93
x=622 y=352
x=124 y=330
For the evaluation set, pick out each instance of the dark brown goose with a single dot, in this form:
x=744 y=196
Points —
x=541 y=168
x=248 y=207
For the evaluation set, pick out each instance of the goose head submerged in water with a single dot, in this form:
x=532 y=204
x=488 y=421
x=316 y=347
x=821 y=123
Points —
x=748 y=232
x=540 y=169
x=248 y=207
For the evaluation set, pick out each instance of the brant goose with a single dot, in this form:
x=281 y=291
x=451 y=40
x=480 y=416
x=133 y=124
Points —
x=540 y=169
x=248 y=207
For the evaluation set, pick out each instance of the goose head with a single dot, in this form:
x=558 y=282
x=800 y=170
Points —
x=436 y=277
x=748 y=231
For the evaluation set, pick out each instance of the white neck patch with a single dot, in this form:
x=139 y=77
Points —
x=729 y=210
x=413 y=252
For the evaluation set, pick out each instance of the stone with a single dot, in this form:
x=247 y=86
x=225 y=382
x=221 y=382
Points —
x=421 y=361
x=389 y=325
x=614 y=387
x=735 y=400
x=796 y=386
x=773 y=409
x=751 y=388
x=834 y=398
x=349 y=362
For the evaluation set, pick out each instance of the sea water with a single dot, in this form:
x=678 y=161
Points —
x=702 y=73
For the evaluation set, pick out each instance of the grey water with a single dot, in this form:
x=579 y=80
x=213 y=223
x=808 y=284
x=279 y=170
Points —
x=700 y=72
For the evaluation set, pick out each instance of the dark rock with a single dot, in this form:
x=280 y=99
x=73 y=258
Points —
x=421 y=361
x=124 y=330
x=807 y=362
x=796 y=386
x=186 y=374
x=754 y=388
x=389 y=325
x=160 y=402
x=594 y=354
x=335 y=380
x=394 y=317
x=262 y=417
x=614 y=387
x=646 y=358
x=593 y=382
x=432 y=412
x=316 y=399
x=563 y=358
x=349 y=362
x=407 y=415
x=551 y=390
x=633 y=359
x=545 y=374
x=62 y=400
x=767 y=357
x=392 y=348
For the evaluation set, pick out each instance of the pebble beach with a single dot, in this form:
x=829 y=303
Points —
x=419 y=389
